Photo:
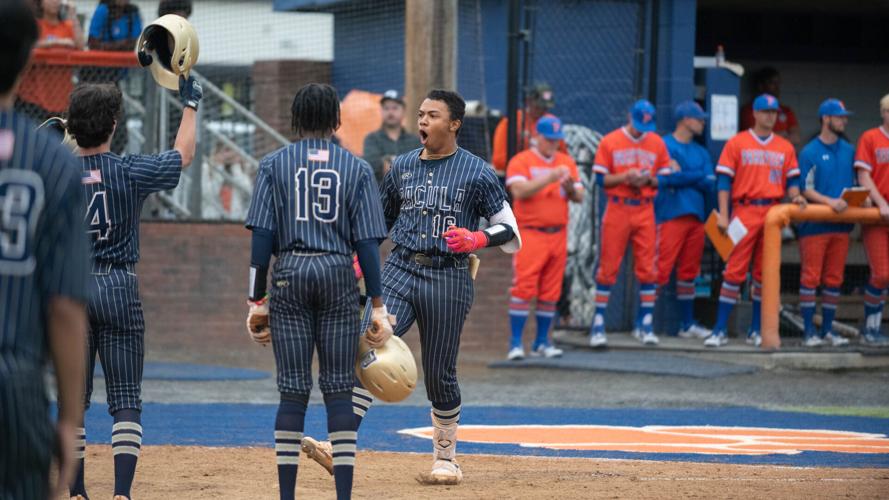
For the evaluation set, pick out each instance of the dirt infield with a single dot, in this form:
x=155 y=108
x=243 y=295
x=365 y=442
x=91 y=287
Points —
x=249 y=473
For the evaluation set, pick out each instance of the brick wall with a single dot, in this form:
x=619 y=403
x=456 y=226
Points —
x=193 y=285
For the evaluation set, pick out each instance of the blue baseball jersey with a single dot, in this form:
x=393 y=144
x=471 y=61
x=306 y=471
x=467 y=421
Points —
x=688 y=191
x=422 y=198
x=43 y=249
x=826 y=168
x=316 y=196
x=115 y=188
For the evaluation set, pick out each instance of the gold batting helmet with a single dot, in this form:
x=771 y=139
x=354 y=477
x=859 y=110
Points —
x=388 y=372
x=172 y=43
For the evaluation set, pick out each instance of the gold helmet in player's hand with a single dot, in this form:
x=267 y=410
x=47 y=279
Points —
x=169 y=47
x=388 y=372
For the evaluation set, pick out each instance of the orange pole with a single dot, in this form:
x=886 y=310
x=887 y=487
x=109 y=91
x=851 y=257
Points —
x=104 y=58
x=778 y=217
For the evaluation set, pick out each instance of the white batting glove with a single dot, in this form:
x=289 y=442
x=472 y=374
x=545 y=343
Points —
x=258 y=321
x=380 y=330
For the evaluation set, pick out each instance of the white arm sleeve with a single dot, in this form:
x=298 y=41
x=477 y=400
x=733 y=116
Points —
x=505 y=216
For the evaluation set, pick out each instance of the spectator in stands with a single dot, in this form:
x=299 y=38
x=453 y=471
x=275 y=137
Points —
x=45 y=89
x=391 y=139
x=116 y=25
x=178 y=7
x=768 y=81
x=538 y=101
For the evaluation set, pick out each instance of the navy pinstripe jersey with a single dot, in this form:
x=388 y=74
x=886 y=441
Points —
x=422 y=198
x=314 y=195
x=115 y=188
x=43 y=249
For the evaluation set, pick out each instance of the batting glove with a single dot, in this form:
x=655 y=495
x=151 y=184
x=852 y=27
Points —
x=357 y=268
x=381 y=327
x=462 y=240
x=190 y=92
x=258 y=321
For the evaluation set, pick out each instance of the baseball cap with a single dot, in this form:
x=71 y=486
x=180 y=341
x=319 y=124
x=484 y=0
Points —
x=833 y=107
x=550 y=127
x=642 y=114
x=543 y=94
x=689 y=109
x=765 y=102
x=392 y=95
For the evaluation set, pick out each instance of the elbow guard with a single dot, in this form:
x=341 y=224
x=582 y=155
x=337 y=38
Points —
x=499 y=234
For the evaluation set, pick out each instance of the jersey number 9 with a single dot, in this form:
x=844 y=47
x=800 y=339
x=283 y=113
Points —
x=317 y=194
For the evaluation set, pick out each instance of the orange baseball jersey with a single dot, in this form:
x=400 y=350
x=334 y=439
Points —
x=759 y=168
x=619 y=152
x=549 y=206
x=873 y=155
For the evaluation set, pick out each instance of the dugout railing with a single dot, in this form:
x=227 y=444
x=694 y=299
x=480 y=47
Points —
x=776 y=219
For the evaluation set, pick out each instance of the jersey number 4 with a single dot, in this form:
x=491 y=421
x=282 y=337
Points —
x=97 y=218
x=317 y=194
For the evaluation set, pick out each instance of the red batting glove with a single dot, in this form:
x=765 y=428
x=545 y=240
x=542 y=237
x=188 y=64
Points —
x=462 y=240
x=357 y=268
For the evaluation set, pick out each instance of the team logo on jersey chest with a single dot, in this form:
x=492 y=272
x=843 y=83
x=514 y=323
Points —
x=432 y=197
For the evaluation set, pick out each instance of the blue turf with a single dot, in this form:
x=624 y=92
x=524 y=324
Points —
x=155 y=370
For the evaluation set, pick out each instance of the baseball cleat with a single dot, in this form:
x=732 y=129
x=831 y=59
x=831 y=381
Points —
x=598 y=339
x=647 y=338
x=835 y=340
x=516 y=354
x=874 y=338
x=319 y=451
x=813 y=341
x=444 y=472
x=547 y=351
x=754 y=338
x=694 y=331
x=717 y=339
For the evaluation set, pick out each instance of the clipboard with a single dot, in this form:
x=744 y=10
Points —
x=855 y=196
x=721 y=242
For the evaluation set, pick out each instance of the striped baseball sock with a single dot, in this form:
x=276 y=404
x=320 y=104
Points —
x=829 y=299
x=361 y=401
x=602 y=294
x=518 y=315
x=756 y=313
x=126 y=443
x=728 y=297
x=873 y=307
x=807 y=308
x=341 y=429
x=445 y=420
x=77 y=485
x=685 y=294
x=645 y=314
x=546 y=311
x=289 y=425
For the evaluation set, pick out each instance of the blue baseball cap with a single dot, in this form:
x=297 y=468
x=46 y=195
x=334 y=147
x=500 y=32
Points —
x=833 y=107
x=765 y=102
x=689 y=109
x=642 y=115
x=550 y=127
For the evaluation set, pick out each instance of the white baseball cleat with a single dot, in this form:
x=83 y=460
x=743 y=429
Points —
x=446 y=472
x=813 y=341
x=598 y=339
x=717 y=339
x=835 y=340
x=516 y=354
x=647 y=338
x=754 y=339
x=547 y=351
x=695 y=331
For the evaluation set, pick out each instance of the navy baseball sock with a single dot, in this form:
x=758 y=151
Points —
x=829 y=299
x=546 y=311
x=341 y=429
x=126 y=443
x=602 y=294
x=685 y=294
x=361 y=401
x=807 y=308
x=873 y=307
x=756 y=313
x=518 y=315
x=289 y=424
x=77 y=485
x=645 y=314
x=728 y=297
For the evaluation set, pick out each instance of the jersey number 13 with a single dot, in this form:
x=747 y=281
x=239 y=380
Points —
x=317 y=194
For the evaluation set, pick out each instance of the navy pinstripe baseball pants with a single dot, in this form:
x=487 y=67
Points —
x=117 y=335
x=314 y=304
x=438 y=299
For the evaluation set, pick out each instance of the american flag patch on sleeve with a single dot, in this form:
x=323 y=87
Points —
x=318 y=155
x=92 y=177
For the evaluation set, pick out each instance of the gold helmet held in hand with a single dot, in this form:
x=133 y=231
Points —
x=388 y=372
x=172 y=46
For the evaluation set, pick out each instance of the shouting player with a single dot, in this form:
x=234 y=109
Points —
x=44 y=260
x=825 y=169
x=872 y=164
x=755 y=171
x=115 y=188
x=542 y=181
x=627 y=164
x=680 y=211
x=315 y=203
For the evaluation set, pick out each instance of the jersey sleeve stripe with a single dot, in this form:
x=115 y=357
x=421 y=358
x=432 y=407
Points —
x=600 y=169
x=722 y=169
x=863 y=165
x=516 y=178
x=793 y=173
x=665 y=171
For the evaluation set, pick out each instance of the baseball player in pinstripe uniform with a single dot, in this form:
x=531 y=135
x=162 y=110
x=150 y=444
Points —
x=43 y=282
x=433 y=198
x=315 y=203
x=115 y=188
